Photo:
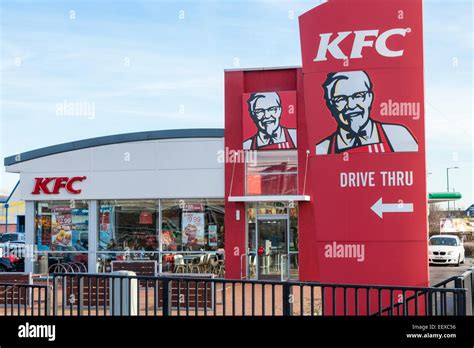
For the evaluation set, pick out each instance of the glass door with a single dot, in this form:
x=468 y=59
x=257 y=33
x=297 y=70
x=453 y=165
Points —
x=272 y=232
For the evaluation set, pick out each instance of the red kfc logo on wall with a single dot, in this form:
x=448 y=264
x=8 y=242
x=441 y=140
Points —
x=269 y=120
x=52 y=185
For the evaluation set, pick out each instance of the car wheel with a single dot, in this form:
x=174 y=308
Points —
x=459 y=261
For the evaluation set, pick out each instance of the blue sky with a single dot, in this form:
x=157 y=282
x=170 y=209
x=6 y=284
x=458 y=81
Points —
x=148 y=65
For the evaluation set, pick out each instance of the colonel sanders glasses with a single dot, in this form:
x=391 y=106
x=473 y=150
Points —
x=341 y=101
x=260 y=113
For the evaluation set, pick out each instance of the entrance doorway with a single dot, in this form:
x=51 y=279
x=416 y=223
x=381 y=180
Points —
x=272 y=232
x=272 y=236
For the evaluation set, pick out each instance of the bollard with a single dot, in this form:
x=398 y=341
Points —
x=124 y=294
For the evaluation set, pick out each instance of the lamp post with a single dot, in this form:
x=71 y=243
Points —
x=447 y=183
x=454 y=203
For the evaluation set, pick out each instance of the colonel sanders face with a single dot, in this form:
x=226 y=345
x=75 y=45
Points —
x=265 y=109
x=349 y=98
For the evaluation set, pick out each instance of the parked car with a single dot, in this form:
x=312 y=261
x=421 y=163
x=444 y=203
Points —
x=446 y=249
x=12 y=263
x=12 y=237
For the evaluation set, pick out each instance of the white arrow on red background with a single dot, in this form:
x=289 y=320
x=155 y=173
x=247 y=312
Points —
x=379 y=208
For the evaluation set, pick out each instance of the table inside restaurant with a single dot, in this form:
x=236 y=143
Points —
x=188 y=259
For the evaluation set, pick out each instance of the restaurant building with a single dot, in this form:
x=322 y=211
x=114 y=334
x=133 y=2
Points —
x=154 y=195
x=137 y=196
x=144 y=196
x=320 y=176
x=124 y=197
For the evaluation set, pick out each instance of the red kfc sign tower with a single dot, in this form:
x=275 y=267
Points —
x=364 y=110
x=354 y=117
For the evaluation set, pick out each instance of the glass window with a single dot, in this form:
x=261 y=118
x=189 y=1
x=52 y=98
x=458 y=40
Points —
x=443 y=241
x=293 y=229
x=251 y=226
x=62 y=224
x=192 y=225
x=272 y=173
x=61 y=234
x=126 y=225
x=272 y=208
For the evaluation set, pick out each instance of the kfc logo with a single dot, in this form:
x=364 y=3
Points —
x=349 y=96
x=266 y=110
x=52 y=186
x=361 y=40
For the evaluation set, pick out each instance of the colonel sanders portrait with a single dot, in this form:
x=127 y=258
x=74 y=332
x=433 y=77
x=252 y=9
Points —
x=349 y=96
x=265 y=109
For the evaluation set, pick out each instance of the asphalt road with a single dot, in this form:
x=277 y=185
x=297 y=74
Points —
x=438 y=273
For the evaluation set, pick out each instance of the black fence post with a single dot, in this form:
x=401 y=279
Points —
x=287 y=299
x=55 y=295
x=430 y=303
x=80 y=289
x=166 y=297
x=49 y=290
x=460 y=296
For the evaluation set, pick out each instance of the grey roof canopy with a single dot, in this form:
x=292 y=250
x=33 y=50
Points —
x=115 y=139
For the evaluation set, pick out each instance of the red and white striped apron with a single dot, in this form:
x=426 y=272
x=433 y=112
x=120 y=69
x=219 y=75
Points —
x=288 y=144
x=382 y=146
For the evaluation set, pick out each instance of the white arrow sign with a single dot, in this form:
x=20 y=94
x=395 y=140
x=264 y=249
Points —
x=379 y=208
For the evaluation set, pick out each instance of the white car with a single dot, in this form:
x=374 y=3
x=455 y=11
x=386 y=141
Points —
x=12 y=237
x=446 y=249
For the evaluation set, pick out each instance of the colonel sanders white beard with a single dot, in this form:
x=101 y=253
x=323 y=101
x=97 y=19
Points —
x=354 y=120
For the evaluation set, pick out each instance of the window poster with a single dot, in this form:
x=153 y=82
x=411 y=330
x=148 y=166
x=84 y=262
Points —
x=212 y=235
x=105 y=228
x=62 y=229
x=193 y=230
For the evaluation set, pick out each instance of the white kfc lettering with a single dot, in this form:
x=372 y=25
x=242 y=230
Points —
x=332 y=47
x=360 y=41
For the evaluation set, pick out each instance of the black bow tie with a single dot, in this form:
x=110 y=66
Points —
x=271 y=138
x=356 y=136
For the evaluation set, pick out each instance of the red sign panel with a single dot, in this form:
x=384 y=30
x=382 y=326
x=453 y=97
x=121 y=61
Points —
x=356 y=35
x=269 y=120
x=364 y=112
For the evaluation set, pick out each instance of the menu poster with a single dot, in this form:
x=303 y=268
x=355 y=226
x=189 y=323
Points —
x=212 y=235
x=193 y=229
x=44 y=228
x=105 y=228
x=62 y=229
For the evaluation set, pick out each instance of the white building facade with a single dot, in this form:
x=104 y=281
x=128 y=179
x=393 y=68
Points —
x=122 y=197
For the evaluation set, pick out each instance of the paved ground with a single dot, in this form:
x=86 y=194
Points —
x=439 y=273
